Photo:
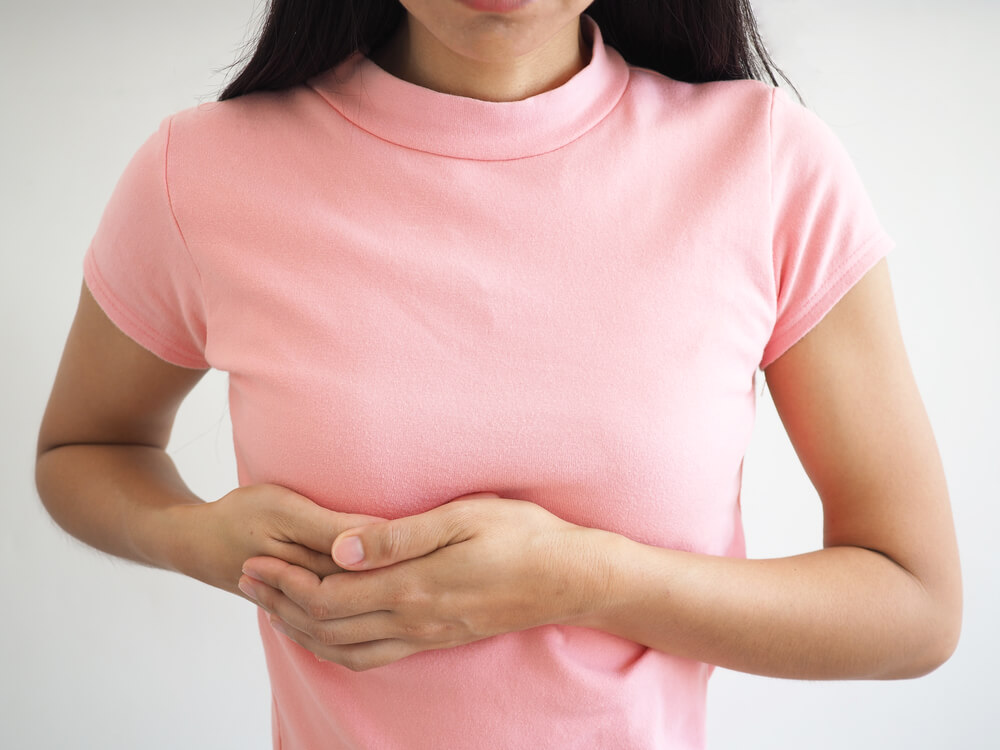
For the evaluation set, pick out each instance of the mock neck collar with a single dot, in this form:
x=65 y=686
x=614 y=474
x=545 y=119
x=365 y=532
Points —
x=420 y=118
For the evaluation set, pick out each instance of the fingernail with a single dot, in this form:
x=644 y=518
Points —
x=247 y=589
x=349 y=550
x=276 y=624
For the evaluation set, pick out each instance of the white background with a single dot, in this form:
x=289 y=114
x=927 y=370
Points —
x=97 y=652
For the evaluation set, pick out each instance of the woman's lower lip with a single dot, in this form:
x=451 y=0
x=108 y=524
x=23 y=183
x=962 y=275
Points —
x=495 y=6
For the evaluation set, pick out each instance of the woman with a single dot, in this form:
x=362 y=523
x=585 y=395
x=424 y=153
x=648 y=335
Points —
x=492 y=282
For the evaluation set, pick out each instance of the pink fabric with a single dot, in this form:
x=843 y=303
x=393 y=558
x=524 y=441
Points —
x=563 y=299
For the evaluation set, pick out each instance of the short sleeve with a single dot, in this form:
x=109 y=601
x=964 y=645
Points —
x=825 y=231
x=138 y=266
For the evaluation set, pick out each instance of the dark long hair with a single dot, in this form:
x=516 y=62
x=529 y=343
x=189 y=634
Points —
x=688 y=40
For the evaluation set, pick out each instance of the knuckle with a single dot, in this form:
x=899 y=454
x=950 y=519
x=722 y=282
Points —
x=392 y=544
x=460 y=516
x=325 y=636
x=283 y=527
x=406 y=594
x=394 y=597
x=318 y=609
x=458 y=512
x=421 y=631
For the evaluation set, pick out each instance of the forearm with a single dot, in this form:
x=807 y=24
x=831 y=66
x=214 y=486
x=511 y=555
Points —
x=837 y=613
x=115 y=498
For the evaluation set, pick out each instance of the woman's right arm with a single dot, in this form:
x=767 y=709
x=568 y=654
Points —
x=103 y=473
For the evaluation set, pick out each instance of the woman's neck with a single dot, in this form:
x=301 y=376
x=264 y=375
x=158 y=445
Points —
x=416 y=56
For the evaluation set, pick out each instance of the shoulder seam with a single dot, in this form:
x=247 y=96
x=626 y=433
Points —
x=177 y=225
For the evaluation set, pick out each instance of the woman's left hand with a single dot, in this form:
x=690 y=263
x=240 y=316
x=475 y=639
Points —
x=474 y=567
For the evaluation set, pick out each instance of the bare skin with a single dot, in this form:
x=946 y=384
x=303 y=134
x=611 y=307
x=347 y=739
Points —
x=498 y=57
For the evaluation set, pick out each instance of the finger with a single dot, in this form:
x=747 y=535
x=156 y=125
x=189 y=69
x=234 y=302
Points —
x=320 y=563
x=259 y=593
x=385 y=543
x=371 y=626
x=297 y=583
x=329 y=598
x=314 y=526
x=356 y=657
x=322 y=613
x=277 y=604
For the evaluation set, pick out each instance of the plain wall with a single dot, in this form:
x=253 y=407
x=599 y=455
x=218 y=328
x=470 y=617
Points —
x=98 y=652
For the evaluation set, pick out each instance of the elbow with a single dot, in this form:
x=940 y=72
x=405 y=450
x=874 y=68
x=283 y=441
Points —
x=936 y=635
x=945 y=639
x=933 y=655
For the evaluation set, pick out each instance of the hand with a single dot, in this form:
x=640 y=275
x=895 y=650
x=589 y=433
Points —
x=466 y=570
x=259 y=519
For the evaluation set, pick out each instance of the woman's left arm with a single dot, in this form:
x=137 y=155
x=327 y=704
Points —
x=881 y=600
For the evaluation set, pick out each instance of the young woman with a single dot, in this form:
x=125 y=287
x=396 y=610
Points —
x=492 y=281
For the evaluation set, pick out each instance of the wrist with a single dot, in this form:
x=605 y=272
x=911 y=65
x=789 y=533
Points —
x=597 y=573
x=171 y=537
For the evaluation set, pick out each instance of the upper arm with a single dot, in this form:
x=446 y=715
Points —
x=850 y=405
x=109 y=389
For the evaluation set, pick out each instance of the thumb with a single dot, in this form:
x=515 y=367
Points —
x=314 y=526
x=377 y=545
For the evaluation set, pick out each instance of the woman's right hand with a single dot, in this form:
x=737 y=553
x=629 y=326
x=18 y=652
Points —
x=216 y=538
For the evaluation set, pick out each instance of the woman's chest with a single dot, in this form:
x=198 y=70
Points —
x=618 y=394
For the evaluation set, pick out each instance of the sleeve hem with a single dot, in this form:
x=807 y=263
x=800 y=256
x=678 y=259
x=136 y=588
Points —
x=132 y=326
x=822 y=301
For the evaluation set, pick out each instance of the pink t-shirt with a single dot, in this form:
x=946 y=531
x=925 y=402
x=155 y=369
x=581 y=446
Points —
x=563 y=299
